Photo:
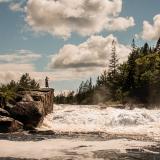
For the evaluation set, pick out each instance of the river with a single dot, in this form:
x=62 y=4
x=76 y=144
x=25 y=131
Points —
x=90 y=132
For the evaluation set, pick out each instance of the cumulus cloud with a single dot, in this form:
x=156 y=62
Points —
x=120 y=23
x=86 y=17
x=89 y=57
x=14 y=64
x=20 y=56
x=7 y=75
x=151 y=31
x=16 y=7
x=11 y=71
x=17 y=67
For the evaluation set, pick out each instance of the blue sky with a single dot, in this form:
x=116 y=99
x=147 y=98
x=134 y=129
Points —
x=42 y=42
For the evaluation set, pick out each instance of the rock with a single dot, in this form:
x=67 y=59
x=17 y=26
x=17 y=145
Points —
x=8 y=124
x=30 y=107
x=31 y=114
x=27 y=98
x=45 y=96
x=45 y=132
x=4 y=113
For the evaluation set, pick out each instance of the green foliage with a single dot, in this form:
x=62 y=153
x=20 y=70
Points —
x=85 y=92
x=136 y=80
x=26 y=83
x=8 y=91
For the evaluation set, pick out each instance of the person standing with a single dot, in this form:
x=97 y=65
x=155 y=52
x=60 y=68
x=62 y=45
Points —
x=46 y=82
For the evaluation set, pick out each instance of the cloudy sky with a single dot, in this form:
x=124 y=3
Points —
x=70 y=40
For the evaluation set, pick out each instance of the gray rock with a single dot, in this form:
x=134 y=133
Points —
x=30 y=107
x=27 y=98
x=45 y=96
x=3 y=112
x=8 y=124
x=31 y=114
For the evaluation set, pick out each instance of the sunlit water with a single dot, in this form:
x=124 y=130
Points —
x=79 y=118
x=76 y=118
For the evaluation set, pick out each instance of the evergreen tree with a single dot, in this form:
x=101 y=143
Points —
x=113 y=72
x=136 y=79
x=26 y=83
x=103 y=79
x=145 y=49
x=133 y=45
x=158 y=46
x=113 y=63
x=131 y=64
x=7 y=94
x=98 y=82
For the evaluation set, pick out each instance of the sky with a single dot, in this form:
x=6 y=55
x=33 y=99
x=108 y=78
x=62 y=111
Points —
x=69 y=40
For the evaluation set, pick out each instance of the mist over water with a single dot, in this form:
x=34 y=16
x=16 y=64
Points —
x=79 y=118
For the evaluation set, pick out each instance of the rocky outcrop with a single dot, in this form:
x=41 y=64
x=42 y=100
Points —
x=31 y=114
x=8 y=124
x=44 y=96
x=30 y=107
x=4 y=113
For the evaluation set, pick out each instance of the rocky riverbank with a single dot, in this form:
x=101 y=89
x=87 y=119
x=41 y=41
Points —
x=87 y=132
x=47 y=146
x=27 y=111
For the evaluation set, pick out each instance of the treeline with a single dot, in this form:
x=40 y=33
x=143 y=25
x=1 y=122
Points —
x=137 y=80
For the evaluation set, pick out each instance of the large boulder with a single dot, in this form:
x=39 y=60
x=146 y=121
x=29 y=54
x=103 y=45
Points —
x=45 y=96
x=8 y=124
x=30 y=107
x=31 y=114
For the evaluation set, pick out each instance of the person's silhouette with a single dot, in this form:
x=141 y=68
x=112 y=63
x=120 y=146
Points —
x=46 y=82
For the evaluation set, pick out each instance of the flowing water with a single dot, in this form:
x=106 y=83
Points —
x=90 y=120
x=80 y=118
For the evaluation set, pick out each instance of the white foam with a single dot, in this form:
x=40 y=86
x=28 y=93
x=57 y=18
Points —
x=59 y=147
x=77 y=118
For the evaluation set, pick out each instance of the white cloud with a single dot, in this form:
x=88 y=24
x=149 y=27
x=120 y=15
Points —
x=120 y=23
x=72 y=61
x=88 y=58
x=13 y=65
x=20 y=56
x=86 y=17
x=11 y=71
x=17 y=67
x=7 y=75
x=16 y=7
x=151 y=31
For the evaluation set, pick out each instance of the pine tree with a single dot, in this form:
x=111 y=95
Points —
x=26 y=83
x=98 y=82
x=130 y=79
x=113 y=64
x=103 y=79
x=145 y=49
x=158 y=46
x=113 y=72
x=90 y=84
x=133 y=45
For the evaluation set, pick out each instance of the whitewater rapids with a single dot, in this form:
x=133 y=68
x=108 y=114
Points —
x=88 y=119
x=91 y=118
